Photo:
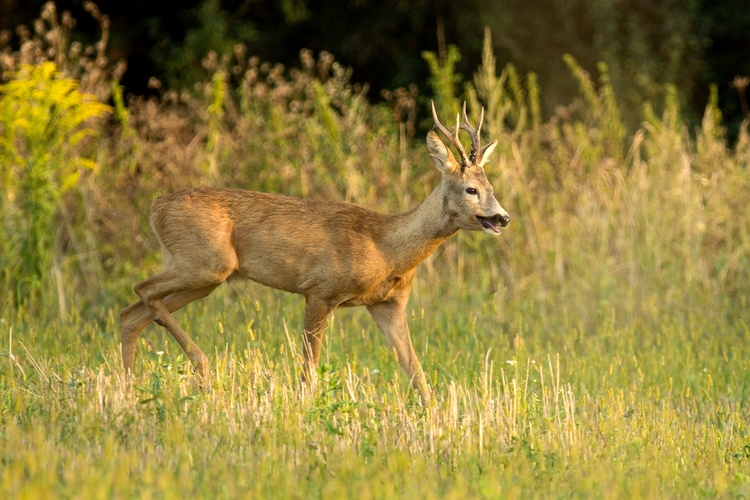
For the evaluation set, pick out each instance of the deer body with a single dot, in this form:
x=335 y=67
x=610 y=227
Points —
x=334 y=254
x=339 y=252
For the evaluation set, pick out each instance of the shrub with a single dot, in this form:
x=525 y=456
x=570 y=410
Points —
x=44 y=124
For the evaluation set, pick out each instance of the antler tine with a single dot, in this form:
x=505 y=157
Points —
x=452 y=136
x=473 y=133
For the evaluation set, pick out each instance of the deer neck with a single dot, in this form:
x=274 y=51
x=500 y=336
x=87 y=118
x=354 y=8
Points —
x=419 y=232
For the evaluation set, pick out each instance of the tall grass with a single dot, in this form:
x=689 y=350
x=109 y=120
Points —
x=599 y=347
x=608 y=416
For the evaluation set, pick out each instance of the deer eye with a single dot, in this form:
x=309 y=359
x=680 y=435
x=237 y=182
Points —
x=471 y=191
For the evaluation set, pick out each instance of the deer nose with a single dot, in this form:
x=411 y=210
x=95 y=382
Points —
x=503 y=219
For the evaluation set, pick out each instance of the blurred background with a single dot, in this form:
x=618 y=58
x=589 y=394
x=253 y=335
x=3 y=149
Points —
x=646 y=45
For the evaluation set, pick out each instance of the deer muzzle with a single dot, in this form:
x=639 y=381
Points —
x=493 y=223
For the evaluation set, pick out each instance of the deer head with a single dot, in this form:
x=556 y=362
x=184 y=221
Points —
x=467 y=193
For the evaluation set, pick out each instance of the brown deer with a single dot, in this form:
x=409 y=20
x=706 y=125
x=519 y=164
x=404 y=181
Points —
x=334 y=254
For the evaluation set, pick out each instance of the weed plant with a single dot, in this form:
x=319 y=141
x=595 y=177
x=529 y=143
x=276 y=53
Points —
x=598 y=348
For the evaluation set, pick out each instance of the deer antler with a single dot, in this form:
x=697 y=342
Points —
x=473 y=133
x=452 y=135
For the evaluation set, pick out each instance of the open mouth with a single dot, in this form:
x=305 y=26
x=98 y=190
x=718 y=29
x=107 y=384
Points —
x=490 y=224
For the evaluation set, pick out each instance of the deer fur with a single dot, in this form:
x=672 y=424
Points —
x=334 y=254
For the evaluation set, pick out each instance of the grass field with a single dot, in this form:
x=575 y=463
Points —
x=599 y=348
x=526 y=403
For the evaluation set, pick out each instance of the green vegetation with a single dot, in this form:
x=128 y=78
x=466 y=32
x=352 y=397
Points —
x=43 y=117
x=600 y=347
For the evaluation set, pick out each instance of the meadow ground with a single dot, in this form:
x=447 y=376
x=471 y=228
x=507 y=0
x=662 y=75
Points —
x=527 y=402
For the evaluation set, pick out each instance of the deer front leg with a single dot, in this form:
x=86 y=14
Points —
x=391 y=318
x=316 y=317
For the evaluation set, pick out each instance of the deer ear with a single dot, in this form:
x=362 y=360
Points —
x=440 y=155
x=485 y=152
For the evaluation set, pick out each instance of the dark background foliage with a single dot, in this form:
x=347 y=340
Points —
x=689 y=44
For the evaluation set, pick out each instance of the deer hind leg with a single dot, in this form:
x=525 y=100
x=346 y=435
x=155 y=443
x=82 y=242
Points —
x=182 y=285
x=391 y=318
x=136 y=317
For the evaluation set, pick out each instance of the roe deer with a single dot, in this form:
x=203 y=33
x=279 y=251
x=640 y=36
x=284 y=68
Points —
x=334 y=254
